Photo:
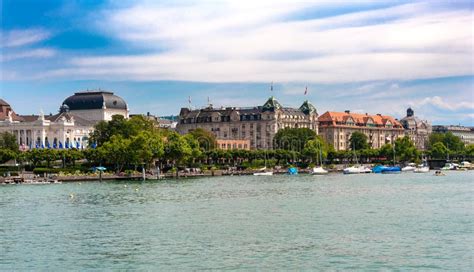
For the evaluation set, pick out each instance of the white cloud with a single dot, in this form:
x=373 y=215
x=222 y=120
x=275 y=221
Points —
x=250 y=42
x=30 y=53
x=442 y=104
x=23 y=37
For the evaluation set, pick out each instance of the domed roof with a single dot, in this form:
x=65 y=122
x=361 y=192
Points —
x=95 y=100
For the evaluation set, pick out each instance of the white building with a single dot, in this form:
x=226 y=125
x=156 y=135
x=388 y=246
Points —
x=69 y=128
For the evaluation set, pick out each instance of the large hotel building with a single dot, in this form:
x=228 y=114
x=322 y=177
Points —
x=337 y=127
x=250 y=128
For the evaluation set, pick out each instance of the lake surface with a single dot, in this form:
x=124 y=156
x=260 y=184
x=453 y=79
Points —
x=364 y=222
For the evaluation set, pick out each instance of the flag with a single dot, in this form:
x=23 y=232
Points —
x=189 y=99
x=271 y=87
x=306 y=90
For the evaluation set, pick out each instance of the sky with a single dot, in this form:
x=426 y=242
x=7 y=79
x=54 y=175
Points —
x=364 y=56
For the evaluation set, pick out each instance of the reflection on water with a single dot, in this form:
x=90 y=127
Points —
x=369 y=222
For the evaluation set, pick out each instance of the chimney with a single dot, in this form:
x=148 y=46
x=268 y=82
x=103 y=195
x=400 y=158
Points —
x=347 y=111
x=379 y=114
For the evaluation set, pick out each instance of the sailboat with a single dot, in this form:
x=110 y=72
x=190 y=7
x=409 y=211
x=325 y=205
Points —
x=356 y=169
x=319 y=170
x=422 y=168
x=263 y=171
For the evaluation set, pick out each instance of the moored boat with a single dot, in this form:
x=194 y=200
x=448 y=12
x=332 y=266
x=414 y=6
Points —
x=319 y=171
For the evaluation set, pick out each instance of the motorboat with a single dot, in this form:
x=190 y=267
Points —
x=449 y=166
x=466 y=165
x=410 y=167
x=319 y=170
x=386 y=169
x=421 y=169
x=355 y=170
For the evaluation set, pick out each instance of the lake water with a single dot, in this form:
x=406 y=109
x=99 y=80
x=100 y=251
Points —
x=364 y=222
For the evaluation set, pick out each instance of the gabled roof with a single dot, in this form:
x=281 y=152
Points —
x=359 y=119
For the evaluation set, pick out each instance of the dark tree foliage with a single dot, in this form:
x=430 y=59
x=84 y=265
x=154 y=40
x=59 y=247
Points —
x=293 y=138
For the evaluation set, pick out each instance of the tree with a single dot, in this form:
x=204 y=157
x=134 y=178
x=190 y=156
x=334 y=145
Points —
x=118 y=152
x=293 y=138
x=449 y=140
x=314 y=148
x=438 y=150
x=8 y=141
x=104 y=131
x=358 y=141
x=206 y=139
x=405 y=149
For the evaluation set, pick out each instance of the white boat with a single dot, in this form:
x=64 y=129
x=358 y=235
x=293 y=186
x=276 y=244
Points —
x=266 y=173
x=319 y=171
x=449 y=166
x=410 y=167
x=421 y=169
x=352 y=170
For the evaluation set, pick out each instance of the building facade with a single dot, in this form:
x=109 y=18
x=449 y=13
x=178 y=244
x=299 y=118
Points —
x=233 y=144
x=258 y=124
x=336 y=128
x=416 y=129
x=70 y=128
x=465 y=133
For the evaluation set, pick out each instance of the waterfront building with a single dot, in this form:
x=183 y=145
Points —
x=96 y=106
x=465 y=133
x=416 y=129
x=336 y=128
x=258 y=125
x=62 y=130
x=69 y=128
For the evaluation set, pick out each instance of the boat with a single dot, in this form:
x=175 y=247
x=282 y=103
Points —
x=409 y=168
x=466 y=165
x=421 y=169
x=449 y=166
x=356 y=169
x=386 y=169
x=264 y=173
x=319 y=170
x=292 y=171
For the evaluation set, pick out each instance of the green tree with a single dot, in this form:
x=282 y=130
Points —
x=438 y=150
x=206 y=139
x=314 y=148
x=405 y=149
x=449 y=140
x=358 y=141
x=118 y=152
x=293 y=138
x=8 y=141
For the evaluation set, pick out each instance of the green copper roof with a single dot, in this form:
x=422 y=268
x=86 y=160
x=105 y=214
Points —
x=307 y=107
x=271 y=105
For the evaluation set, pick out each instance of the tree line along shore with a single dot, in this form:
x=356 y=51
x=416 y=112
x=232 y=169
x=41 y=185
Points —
x=125 y=146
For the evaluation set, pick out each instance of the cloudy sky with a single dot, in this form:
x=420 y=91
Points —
x=370 y=56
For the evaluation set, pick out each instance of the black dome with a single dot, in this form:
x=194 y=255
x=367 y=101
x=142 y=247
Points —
x=95 y=100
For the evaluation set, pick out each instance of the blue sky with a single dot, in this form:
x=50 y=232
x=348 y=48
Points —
x=369 y=56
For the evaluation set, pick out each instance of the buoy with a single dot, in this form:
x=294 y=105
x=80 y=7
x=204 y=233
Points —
x=71 y=195
x=125 y=186
x=136 y=189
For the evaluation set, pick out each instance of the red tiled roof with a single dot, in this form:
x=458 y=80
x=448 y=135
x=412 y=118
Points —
x=359 y=119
